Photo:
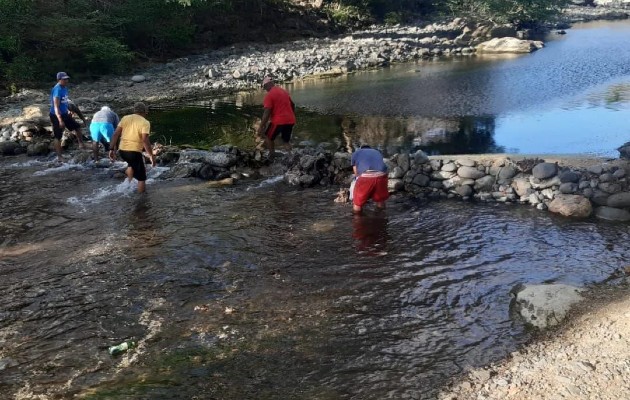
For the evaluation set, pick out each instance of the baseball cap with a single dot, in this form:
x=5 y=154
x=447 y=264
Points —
x=267 y=80
x=62 y=75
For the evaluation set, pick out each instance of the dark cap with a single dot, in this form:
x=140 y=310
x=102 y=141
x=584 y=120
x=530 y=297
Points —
x=62 y=75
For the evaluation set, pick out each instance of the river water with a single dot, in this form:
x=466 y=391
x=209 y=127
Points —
x=572 y=97
x=262 y=291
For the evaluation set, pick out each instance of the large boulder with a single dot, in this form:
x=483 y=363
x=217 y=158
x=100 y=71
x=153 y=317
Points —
x=619 y=200
x=544 y=305
x=509 y=45
x=571 y=205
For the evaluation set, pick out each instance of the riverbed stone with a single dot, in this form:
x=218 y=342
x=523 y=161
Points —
x=484 y=184
x=138 y=78
x=507 y=172
x=395 y=185
x=449 y=167
x=396 y=173
x=619 y=200
x=568 y=187
x=8 y=148
x=612 y=214
x=522 y=186
x=469 y=172
x=442 y=175
x=421 y=180
x=420 y=157
x=570 y=205
x=466 y=162
x=508 y=45
x=404 y=162
x=544 y=305
x=464 y=190
x=569 y=177
x=620 y=173
x=609 y=187
x=545 y=170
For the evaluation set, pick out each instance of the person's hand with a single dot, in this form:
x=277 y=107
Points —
x=153 y=163
x=112 y=155
x=62 y=125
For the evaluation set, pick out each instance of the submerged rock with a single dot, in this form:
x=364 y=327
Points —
x=544 y=305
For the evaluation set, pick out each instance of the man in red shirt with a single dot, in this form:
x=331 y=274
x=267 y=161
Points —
x=278 y=117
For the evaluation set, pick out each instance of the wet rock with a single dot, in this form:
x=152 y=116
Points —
x=544 y=170
x=464 y=191
x=568 y=188
x=221 y=183
x=8 y=148
x=612 y=214
x=569 y=177
x=569 y=205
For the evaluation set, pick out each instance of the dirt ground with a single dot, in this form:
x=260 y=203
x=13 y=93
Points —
x=587 y=357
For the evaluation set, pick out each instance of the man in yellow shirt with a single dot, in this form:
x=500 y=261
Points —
x=133 y=131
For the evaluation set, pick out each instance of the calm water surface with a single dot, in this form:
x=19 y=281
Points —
x=261 y=291
x=572 y=97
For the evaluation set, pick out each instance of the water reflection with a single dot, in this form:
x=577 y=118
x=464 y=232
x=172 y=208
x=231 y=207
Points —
x=369 y=231
x=571 y=98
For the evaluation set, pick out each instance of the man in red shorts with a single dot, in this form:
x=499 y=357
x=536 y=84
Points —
x=371 y=172
x=278 y=117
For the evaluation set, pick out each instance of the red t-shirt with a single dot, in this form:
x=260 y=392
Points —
x=279 y=102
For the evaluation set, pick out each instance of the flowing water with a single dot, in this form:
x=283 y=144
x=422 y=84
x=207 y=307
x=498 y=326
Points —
x=262 y=291
x=572 y=97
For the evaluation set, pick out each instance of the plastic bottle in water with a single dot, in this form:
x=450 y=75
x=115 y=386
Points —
x=121 y=348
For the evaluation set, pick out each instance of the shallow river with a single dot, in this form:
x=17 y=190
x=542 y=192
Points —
x=262 y=291
x=572 y=97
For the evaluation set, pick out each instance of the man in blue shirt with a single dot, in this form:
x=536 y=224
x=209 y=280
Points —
x=371 y=178
x=60 y=116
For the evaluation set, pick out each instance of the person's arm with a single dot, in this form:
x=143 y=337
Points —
x=147 y=147
x=114 y=143
x=265 y=120
x=56 y=105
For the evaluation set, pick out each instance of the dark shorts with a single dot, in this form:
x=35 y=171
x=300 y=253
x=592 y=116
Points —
x=71 y=124
x=285 y=130
x=135 y=159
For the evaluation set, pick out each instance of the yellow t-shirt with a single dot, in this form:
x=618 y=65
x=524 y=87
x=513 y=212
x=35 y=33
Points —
x=133 y=126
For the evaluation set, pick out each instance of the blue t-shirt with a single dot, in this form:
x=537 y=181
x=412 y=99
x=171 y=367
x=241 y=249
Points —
x=62 y=93
x=368 y=159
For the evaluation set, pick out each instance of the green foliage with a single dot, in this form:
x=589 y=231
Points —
x=518 y=12
x=106 y=55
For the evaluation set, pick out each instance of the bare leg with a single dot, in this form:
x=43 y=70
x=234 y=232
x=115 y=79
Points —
x=129 y=173
x=57 y=144
x=380 y=204
x=357 y=209
x=79 y=136
x=95 y=151
x=271 y=147
x=141 y=186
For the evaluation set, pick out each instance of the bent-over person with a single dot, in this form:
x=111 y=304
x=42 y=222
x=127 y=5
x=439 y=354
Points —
x=370 y=171
x=133 y=131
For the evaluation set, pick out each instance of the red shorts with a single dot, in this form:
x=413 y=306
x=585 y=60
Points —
x=370 y=185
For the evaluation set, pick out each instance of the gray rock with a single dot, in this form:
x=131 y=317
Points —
x=469 y=172
x=466 y=162
x=544 y=184
x=545 y=170
x=395 y=185
x=449 y=167
x=610 y=187
x=464 y=191
x=595 y=169
x=568 y=187
x=404 y=162
x=507 y=172
x=544 y=305
x=619 y=200
x=442 y=175
x=436 y=165
x=569 y=177
x=484 y=184
x=419 y=158
x=620 y=173
x=612 y=214
x=216 y=159
x=138 y=78
x=396 y=173
x=421 y=180
x=342 y=161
